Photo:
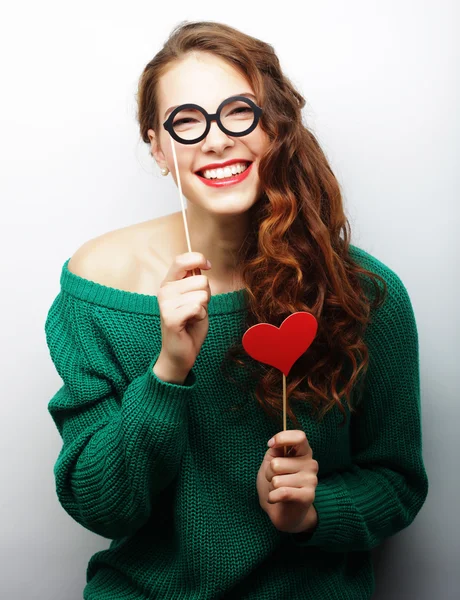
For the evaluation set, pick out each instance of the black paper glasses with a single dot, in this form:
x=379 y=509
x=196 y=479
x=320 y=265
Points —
x=236 y=116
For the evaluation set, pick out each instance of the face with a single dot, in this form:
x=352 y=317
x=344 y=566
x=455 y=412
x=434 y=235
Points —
x=206 y=80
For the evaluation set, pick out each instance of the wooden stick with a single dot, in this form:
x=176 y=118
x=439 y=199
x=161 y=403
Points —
x=187 y=235
x=284 y=408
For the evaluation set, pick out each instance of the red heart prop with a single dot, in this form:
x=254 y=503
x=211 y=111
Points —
x=281 y=346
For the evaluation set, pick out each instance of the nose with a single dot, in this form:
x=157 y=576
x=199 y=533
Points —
x=216 y=140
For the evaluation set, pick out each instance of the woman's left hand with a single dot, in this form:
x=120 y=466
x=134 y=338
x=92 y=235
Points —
x=287 y=485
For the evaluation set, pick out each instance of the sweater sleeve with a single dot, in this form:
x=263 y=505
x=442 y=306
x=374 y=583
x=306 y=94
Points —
x=118 y=453
x=386 y=485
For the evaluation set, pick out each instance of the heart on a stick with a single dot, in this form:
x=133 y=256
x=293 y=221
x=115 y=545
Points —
x=281 y=346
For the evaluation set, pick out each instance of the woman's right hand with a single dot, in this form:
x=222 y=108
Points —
x=183 y=301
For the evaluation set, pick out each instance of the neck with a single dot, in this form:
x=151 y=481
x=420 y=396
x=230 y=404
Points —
x=219 y=238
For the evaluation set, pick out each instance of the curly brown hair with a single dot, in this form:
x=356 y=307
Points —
x=293 y=258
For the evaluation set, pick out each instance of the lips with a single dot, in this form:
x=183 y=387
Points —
x=223 y=165
x=226 y=181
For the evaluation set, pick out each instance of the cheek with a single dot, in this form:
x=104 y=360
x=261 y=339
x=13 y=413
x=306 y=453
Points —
x=260 y=144
x=184 y=157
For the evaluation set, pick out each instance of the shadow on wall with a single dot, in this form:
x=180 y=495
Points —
x=398 y=562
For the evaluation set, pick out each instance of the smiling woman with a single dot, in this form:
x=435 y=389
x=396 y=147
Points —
x=163 y=416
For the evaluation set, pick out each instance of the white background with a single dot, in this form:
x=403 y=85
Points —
x=382 y=90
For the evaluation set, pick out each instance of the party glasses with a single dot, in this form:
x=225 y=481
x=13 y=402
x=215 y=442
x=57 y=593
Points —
x=236 y=116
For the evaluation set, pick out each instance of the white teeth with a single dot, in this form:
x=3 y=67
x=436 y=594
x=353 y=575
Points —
x=225 y=172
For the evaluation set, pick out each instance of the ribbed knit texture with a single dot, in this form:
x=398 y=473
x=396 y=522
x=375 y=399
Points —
x=168 y=472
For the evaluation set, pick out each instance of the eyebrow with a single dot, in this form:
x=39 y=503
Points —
x=247 y=94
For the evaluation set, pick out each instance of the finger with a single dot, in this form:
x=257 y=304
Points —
x=294 y=480
x=279 y=451
x=179 y=318
x=195 y=283
x=190 y=312
x=282 y=466
x=191 y=284
x=292 y=437
x=184 y=263
x=303 y=495
x=197 y=297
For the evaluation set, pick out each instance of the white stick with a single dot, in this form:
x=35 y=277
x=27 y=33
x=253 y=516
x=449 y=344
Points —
x=180 y=194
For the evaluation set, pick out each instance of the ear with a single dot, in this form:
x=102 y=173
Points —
x=155 y=149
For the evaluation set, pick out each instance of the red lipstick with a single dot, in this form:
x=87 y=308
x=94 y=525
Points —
x=234 y=179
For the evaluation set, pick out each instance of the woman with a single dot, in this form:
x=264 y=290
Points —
x=164 y=418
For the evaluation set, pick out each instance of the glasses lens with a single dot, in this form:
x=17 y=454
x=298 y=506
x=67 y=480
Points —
x=189 y=124
x=237 y=116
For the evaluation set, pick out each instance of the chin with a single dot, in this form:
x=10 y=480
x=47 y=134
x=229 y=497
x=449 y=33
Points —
x=222 y=201
x=230 y=204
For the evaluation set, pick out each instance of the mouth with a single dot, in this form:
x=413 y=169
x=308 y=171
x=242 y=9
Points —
x=227 y=176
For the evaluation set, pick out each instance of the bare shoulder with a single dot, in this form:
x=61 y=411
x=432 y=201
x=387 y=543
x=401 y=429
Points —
x=134 y=258
x=103 y=259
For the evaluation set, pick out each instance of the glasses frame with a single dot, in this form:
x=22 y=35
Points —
x=168 y=124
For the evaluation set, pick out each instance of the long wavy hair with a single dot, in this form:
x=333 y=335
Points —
x=296 y=253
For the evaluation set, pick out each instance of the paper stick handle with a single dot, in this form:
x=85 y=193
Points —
x=284 y=409
x=196 y=271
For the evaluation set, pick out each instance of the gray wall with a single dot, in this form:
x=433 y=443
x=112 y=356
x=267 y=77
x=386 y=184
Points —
x=382 y=92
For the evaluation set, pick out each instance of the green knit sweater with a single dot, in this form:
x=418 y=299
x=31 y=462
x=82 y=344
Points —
x=168 y=472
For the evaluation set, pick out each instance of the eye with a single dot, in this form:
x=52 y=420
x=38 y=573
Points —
x=241 y=108
x=181 y=121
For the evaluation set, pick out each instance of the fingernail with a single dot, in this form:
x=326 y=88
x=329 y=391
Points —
x=208 y=264
x=271 y=442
